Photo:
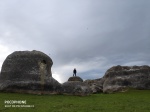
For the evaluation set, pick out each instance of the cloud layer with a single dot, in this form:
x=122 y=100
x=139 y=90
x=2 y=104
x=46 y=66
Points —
x=84 y=34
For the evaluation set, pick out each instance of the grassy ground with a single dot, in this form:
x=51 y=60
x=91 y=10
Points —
x=131 y=101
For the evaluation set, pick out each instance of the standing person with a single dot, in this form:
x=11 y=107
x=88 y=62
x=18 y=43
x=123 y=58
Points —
x=74 y=72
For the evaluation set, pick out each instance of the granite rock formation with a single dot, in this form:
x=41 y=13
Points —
x=28 y=72
x=118 y=78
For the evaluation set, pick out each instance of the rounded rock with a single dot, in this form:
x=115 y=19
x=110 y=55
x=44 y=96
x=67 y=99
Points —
x=27 y=70
x=76 y=78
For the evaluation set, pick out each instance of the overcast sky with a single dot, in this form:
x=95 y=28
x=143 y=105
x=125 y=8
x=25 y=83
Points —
x=89 y=35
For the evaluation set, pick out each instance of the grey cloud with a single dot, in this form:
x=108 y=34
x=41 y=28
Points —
x=99 y=33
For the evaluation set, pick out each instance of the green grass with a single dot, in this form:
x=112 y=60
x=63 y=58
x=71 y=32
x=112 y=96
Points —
x=131 y=101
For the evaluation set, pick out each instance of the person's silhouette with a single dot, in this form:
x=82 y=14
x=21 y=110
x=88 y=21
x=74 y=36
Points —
x=74 y=72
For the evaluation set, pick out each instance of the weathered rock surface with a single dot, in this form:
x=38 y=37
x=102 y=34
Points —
x=28 y=72
x=96 y=85
x=76 y=78
x=76 y=88
x=118 y=78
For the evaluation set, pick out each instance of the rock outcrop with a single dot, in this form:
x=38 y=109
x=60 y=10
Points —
x=96 y=85
x=76 y=78
x=118 y=78
x=76 y=88
x=28 y=72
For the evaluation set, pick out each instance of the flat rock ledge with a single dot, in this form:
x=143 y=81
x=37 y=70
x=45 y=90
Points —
x=76 y=78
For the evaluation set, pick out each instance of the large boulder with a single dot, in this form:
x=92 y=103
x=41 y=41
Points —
x=118 y=78
x=76 y=78
x=96 y=85
x=76 y=88
x=28 y=72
